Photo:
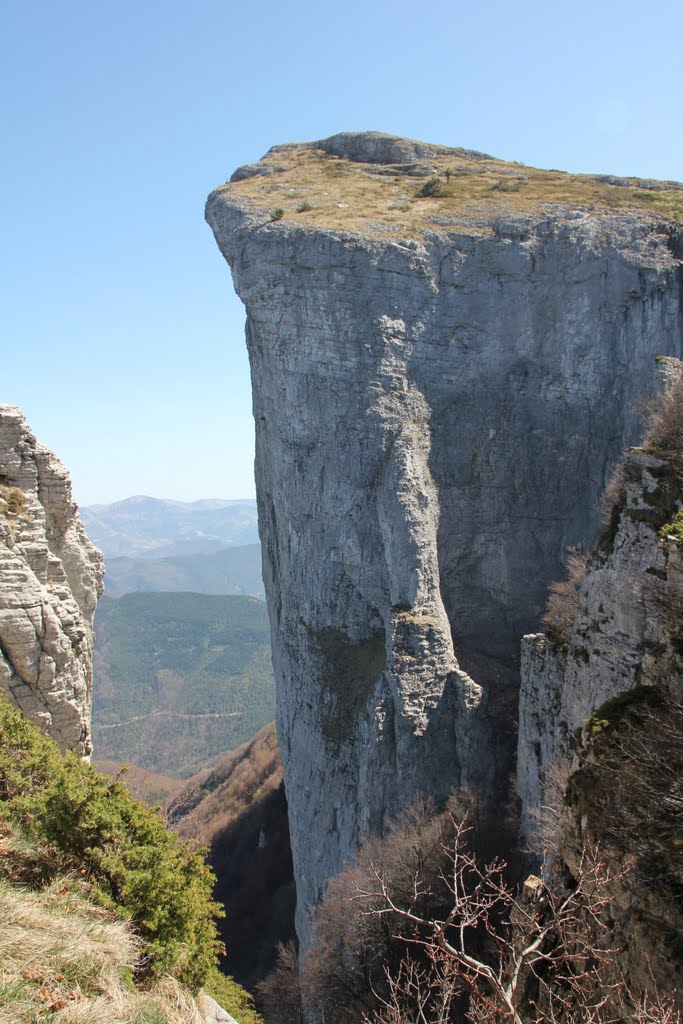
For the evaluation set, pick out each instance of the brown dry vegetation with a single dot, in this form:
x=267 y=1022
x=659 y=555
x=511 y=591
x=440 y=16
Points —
x=68 y=961
x=628 y=797
x=238 y=808
x=141 y=783
x=663 y=415
x=563 y=599
x=332 y=193
x=355 y=947
x=423 y=929
x=217 y=796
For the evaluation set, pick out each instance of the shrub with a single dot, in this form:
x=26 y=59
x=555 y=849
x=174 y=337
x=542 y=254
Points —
x=277 y=214
x=433 y=188
x=15 y=499
x=548 y=957
x=232 y=997
x=279 y=994
x=563 y=600
x=612 y=501
x=663 y=414
x=631 y=785
x=506 y=185
x=134 y=864
x=304 y=207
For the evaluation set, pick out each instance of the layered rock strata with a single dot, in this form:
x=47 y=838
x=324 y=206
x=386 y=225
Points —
x=50 y=579
x=441 y=387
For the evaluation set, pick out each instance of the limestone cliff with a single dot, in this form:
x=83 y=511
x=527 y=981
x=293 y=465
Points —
x=446 y=351
x=50 y=579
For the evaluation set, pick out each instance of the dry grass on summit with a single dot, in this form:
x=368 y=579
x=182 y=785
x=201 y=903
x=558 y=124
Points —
x=350 y=196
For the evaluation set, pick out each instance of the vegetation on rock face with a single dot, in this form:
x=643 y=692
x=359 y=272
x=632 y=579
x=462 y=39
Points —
x=14 y=500
x=627 y=796
x=14 y=507
x=179 y=678
x=563 y=601
x=424 y=926
x=664 y=413
x=80 y=822
x=663 y=437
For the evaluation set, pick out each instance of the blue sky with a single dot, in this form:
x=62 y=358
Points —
x=122 y=340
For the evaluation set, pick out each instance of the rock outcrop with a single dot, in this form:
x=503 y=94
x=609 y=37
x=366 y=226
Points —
x=625 y=636
x=600 y=756
x=444 y=373
x=50 y=579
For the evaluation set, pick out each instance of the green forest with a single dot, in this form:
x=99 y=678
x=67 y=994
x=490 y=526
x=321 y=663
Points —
x=179 y=678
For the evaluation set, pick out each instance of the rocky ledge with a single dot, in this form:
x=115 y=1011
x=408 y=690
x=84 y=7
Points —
x=50 y=579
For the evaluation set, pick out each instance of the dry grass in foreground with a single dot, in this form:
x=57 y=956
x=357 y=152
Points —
x=66 y=961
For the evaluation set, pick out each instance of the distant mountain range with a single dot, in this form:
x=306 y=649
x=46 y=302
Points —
x=143 y=527
x=230 y=571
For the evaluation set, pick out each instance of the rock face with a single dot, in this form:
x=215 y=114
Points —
x=624 y=636
x=439 y=400
x=50 y=579
x=601 y=720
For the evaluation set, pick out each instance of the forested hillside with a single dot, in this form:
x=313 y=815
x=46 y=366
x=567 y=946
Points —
x=179 y=678
x=239 y=809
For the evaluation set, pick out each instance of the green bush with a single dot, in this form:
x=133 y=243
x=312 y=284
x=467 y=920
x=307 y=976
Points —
x=433 y=188
x=232 y=997
x=277 y=214
x=505 y=185
x=134 y=864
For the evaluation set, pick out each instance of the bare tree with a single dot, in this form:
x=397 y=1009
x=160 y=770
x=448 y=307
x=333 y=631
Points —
x=563 y=598
x=279 y=994
x=497 y=958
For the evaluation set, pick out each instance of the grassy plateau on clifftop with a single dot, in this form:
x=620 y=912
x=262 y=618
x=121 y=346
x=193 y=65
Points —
x=329 y=192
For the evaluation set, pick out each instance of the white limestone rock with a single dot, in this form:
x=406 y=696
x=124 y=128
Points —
x=436 y=416
x=50 y=579
x=629 y=610
x=212 y=1012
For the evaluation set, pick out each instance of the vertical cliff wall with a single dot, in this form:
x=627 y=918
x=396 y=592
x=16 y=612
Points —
x=441 y=385
x=50 y=579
